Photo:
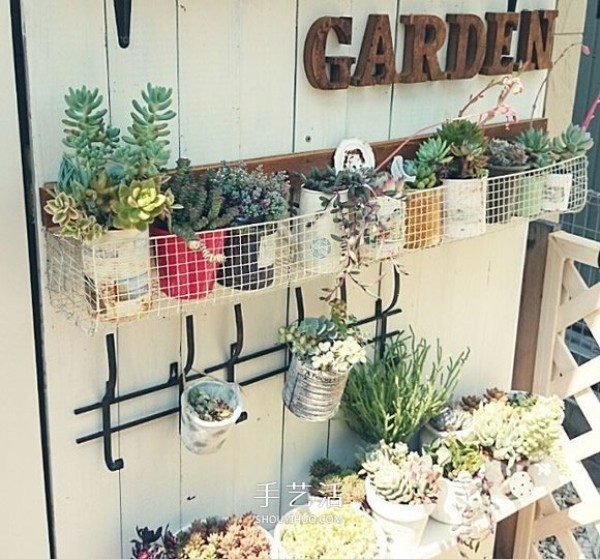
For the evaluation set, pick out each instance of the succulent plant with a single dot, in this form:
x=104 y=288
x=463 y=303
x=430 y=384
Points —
x=503 y=153
x=391 y=396
x=324 y=467
x=424 y=174
x=209 y=408
x=138 y=204
x=346 y=487
x=201 y=201
x=153 y=544
x=468 y=147
x=456 y=456
x=495 y=395
x=321 y=180
x=435 y=152
x=400 y=476
x=146 y=153
x=470 y=403
x=573 y=142
x=333 y=533
x=538 y=147
x=451 y=418
x=234 y=537
x=255 y=195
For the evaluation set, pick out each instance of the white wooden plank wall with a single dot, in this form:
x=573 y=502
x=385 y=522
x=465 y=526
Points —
x=22 y=499
x=240 y=92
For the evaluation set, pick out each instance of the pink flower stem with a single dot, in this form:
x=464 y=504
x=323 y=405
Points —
x=591 y=113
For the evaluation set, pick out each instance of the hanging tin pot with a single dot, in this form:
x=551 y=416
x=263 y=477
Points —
x=250 y=253
x=201 y=436
x=312 y=394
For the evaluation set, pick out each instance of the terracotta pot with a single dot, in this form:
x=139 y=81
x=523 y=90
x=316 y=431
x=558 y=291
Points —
x=185 y=273
x=423 y=218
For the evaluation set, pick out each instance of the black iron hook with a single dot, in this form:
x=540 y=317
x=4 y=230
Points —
x=344 y=292
x=395 y=294
x=109 y=396
x=123 y=17
x=191 y=344
x=235 y=349
x=300 y=303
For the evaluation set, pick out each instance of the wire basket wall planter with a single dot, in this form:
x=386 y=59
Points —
x=126 y=276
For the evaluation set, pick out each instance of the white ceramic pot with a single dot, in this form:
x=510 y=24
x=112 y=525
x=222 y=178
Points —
x=320 y=252
x=557 y=192
x=403 y=523
x=204 y=437
x=464 y=207
x=116 y=268
x=451 y=502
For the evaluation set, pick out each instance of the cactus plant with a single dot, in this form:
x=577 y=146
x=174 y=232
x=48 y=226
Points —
x=201 y=200
x=573 y=142
x=538 y=147
x=503 y=153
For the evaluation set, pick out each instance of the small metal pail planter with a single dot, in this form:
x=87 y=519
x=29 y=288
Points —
x=312 y=394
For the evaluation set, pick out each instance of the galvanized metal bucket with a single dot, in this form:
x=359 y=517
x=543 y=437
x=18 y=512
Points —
x=312 y=394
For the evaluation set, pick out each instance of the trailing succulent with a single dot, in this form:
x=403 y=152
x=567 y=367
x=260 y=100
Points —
x=400 y=476
x=202 y=203
x=503 y=153
x=468 y=147
x=101 y=185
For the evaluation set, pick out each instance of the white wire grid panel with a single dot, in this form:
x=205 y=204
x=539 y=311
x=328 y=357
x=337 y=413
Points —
x=128 y=275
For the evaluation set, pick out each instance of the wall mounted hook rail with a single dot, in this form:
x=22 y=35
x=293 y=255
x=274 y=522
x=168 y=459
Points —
x=123 y=19
x=176 y=376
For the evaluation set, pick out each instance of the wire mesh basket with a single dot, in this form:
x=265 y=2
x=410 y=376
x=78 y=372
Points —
x=127 y=275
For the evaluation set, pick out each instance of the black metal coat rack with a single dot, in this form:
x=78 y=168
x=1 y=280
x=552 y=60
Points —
x=176 y=379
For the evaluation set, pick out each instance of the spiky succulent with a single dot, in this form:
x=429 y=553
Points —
x=538 y=147
x=400 y=476
x=435 y=152
x=146 y=153
x=503 y=153
x=456 y=456
x=207 y=407
x=573 y=142
x=468 y=147
x=201 y=201
x=138 y=204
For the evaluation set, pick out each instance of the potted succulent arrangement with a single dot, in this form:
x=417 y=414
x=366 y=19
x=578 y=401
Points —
x=324 y=350
x=530 y=191
x=465 y=179
x=109 y=191
x=260 y=199
x=187 y=264
x=425 y=194
x=241 y=537
x=506 y=160
x=329 y=533
x=209 y=410
x=572 y=143
x=452 y=421
x=390 y=397
x=402 y=488
x=462 y=463
x=332 y=485
x=517 y=431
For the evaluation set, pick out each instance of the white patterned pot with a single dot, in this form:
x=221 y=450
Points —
x=557 y=192
x=464 y=208
x=389 y=240
x=312 y=394
x=204 y=437
x=451 y=502
x=117 y=274
x=403 y=523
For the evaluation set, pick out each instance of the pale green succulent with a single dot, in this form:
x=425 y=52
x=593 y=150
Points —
x=435 y=152
x=140 y=203
x=72 y=222
x=456 y=456
x=424 y=174
x=538 y=147
x=573 y=142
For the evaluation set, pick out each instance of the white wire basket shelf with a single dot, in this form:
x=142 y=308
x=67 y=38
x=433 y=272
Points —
x=129 y=275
